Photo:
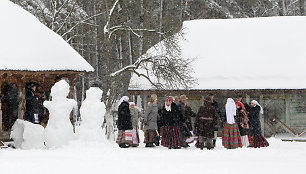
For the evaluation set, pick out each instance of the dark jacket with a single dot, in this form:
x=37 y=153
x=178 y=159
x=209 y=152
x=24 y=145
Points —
x=206 y=120
x=221 y=117
x=124 y=117
x=32 y=106
x=171 y=118
x=254 y=121
x=187 y=114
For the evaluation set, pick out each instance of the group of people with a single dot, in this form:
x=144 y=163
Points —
x=172 y=123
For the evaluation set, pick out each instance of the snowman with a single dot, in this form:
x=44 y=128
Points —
x=59 y=130
x=92 y=114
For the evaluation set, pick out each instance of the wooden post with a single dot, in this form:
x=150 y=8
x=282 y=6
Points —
x=287 y=102
x=262 y=116
x=145 y=101
x=1 y=116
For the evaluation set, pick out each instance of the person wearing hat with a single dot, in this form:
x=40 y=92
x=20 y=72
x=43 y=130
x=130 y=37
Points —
x=256 y=138
x=205 y=123
x=171 y=118
x=32 y=105
x=242 y=121
x=186 y=124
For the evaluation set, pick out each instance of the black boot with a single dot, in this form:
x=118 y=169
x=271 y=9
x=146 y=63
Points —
x=123 y=145
x=209 y=146
x=150 y=145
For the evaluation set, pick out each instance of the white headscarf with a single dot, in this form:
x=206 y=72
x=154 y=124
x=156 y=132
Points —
x=131 y=103
x=230 y=109
x=124 y=98
x=256 y=103
x=168 y=108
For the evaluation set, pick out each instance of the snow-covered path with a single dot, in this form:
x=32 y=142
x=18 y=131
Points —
x=280 y=157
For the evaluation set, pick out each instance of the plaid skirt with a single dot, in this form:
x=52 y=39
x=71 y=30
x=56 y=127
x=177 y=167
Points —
x=258 y=141
x=122 y=138
x=231 y=136
x=172 y=137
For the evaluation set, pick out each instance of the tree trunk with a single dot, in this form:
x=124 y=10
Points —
x=302 y=7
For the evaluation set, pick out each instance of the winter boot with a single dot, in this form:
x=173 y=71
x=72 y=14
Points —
x=123 y=145
x=209 y=146
x=202 y=146
x=214 y=143
x=150 y=145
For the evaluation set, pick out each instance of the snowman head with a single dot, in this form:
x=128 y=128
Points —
x=94 y=94
x=60 y=90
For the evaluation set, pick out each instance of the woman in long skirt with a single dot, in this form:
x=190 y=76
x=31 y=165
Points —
x=150 y=121
x=230 y=135
x=256 y=138
x=124 y=138
x=171 y=117
x=136 y=116
x=205 y=123
x=243 y=123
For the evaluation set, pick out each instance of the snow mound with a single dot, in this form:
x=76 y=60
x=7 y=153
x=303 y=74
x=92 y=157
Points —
x=92 y=114
x=59 y=130
x=24 y=39
x=27 y=135
x=250 y=53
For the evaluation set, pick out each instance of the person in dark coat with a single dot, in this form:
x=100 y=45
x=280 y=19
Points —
x=11 y=98
x=205 y=123
x=124 y=138
x=221 y=118
x=171 y=118
x=32 y=105
x=256 y=138
x=186 y=124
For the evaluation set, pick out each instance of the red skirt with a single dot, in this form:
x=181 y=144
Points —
x=172 y=137
x=258 y=141
x=231 y=136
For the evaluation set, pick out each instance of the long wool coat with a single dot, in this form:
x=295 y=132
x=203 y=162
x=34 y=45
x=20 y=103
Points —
x=187 y=114
x=124 y=117
x=206 y=120
x=254 y=122
x=151 y=116
x=136 y=117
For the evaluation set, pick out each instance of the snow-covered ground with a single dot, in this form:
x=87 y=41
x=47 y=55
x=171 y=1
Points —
x=80 y=157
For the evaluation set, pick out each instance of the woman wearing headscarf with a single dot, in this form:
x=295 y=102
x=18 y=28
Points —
x=136 y=117
x=124 y=138
x=230 y=135
x=205 y=123
x=243 y=123
x=256 y=138
x=150 y=121
x=171 y=117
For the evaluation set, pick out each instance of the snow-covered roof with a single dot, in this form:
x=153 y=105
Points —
x=26 y=44
x=251 y=53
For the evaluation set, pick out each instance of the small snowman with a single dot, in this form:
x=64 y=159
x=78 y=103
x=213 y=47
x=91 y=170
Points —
x=59 y=130
x=92 y=114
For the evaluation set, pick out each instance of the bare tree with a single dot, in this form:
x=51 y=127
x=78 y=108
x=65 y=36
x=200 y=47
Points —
x=159 y=65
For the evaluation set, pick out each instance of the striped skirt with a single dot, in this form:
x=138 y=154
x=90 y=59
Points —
x=258 y=141
x=172 y=137
x=124 y=138
x=231 y=136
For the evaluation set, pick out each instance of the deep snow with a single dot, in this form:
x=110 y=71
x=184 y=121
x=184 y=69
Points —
x=250 y=53
x=80 y=157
